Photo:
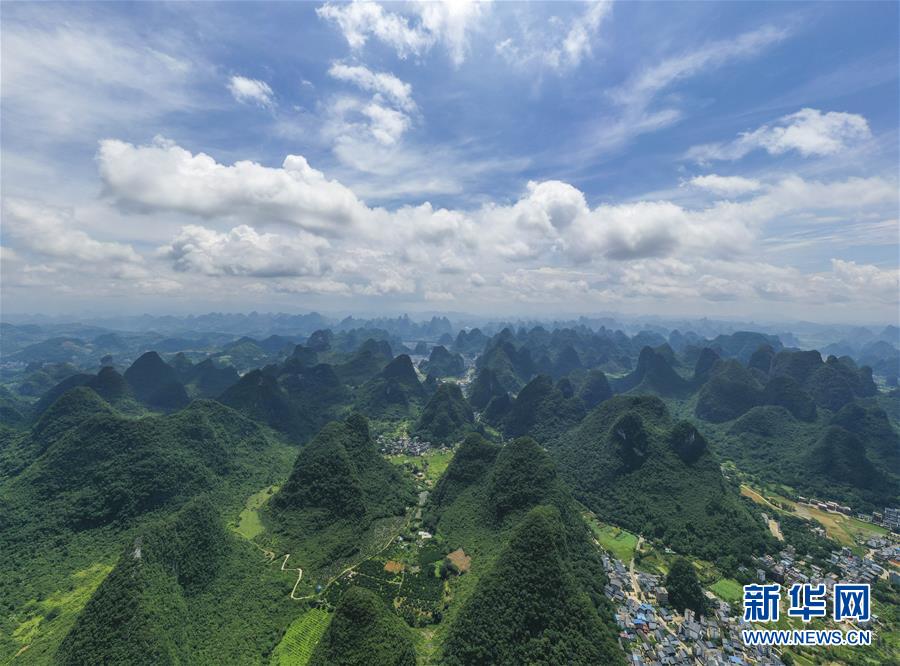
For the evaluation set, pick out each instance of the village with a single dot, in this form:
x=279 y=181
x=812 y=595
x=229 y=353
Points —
x=654 y=635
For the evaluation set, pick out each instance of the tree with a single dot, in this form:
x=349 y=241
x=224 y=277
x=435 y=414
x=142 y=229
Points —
x=684 y=587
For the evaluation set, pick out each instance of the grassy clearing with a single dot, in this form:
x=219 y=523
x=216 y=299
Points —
x=728 y=589
x=53 y=617
x=433 y=463
x=843 y=529
x=301 y=638
x=249 y=525
x=617 y=541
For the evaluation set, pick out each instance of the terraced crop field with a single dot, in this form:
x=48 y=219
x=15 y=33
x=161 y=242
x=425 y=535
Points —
x=301 y=638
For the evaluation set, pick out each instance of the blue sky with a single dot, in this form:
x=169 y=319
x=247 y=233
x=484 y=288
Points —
x=722 y=159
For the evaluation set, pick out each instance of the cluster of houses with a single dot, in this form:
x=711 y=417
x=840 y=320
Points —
x=826 y=506
x=846 y=566
x=855 y=569
x=410 y=446
x=786 y=568
x=654 y=635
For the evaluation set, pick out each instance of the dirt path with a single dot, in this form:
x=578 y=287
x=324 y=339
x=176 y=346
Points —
x=775 y=528
x=344 y=572
x=299 y=571
x=635 y=587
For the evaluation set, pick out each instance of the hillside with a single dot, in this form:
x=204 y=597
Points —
x=484 y=387
x=155 y=383
x=338 y=487
x=842 y=457
x=292 y=398
x=363 y=631
x=541 y=410
x=85 y=477
x=631 y=464
x=443 y=363
x=529 y=608
x=654 y=375
x=483 y=498
x=180 y=593
x=446 y=417
x=394 y=393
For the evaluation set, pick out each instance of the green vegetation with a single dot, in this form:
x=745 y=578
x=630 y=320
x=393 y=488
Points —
x=484 y=387
x=621 y=543
x=363 y=631
x=447 y=416
x=299 y=642
x=339 y=486
x=629 y=463
x=172 y=584
x=845 y=457
x=443 y=363
x=433 y=463
x=511 y=368
x=249 y=524
x=541 y=410
x=684 y=587
x=394 y=393
x=529 y=608
x=155 y=383
x=653 y=375
x=595 y=389
x=730 y=391
x=728 y=589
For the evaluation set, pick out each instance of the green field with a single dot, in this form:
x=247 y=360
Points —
x=433 y=463
x=617 y=541
x=249 y=525
x=300 y=639
x=728 y=589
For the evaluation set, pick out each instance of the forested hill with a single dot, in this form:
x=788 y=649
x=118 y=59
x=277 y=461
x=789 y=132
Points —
x=630 y=463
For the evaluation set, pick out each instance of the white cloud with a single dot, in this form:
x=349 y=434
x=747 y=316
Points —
x=66 y=78
x=725 y=185
x=808 y=132
x=637 y=96
x=396 y=91
x=882 y=284
x=547 y=245
x=360 y=20
x=557 y=48
x=654 y=79
x=432 y=23
x=50 y=232
x=386 y=125
x=312 y=286
x=251 y=91
x=244 y=251
x=164 y=176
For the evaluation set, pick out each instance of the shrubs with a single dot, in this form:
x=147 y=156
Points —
x=364 y=631
x=684 y=587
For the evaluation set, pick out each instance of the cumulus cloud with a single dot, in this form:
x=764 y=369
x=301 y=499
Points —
x=725 y=185
x=51 y=232
x=251 y=91
x=808 y=132
x=164 y=176
x=383 y=83
x=244 y=251
x=548 y=244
